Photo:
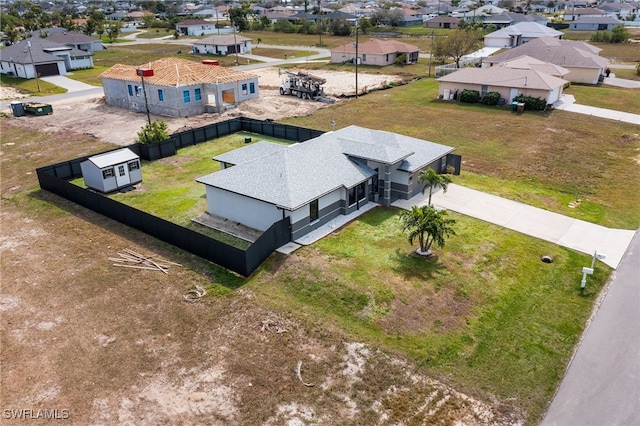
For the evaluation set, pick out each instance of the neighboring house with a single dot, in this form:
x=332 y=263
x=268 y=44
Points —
x=511 y=18
x=580 y=58
x=222 y=45
x=518 y=34
x=595 y=24
x=41 y=55
x=196 y=27
x=509 y=82
x=442 y=22
x=78 y=40
x=586 y=12
x=375 y=52
x=178 y=87
x=112 y=171
x=317 y=180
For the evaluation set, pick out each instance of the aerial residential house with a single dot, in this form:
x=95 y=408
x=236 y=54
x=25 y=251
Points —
x=580 y=58
x=222 y=45
x=77 y=40
x=521 y=76
x=517 y=34
x=112 y=171
x=442 y=22
x=600 y=23
x=196 y=27
x=511 y=18
x=375 y=52
x=42 y=56
x=574 y=14
x=315 y=181
x=177 y=87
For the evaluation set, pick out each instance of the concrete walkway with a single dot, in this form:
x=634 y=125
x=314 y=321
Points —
x=67 y=83
x=575 y=234
x=602 y=384
x=568 y=103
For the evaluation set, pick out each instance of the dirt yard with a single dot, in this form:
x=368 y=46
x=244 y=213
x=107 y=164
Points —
x=91 y=116
x=92 y=343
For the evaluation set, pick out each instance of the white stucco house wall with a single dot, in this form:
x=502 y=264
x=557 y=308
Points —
x=317 y=180
x=178 y=87
x=196 y=27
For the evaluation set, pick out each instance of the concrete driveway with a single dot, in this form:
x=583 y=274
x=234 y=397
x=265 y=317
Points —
x=568 y=103
x=575 y=234
x=67 y=83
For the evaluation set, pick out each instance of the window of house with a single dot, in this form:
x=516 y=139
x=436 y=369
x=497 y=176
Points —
x=107 y=173
x=244 y=89
x=352 y=196
x=252 y=88
x=121 y=170
x=130 y=87
x=364 y=57
x=186 y=96
x=484 y=90
x=160 y=95
x=313 y=211
x=138 y=90
x=134 y=165
x=361 y=191
x=198 y=94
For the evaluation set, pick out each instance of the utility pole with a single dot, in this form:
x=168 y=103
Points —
x=430 y=53
x=149 y=72
x=33 y=64
x=357 y=59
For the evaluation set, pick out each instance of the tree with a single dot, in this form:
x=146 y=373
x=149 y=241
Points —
x=432 y=179
x=340 y=27
x=364 y=25
x=619 y=34
x=238 y=16
x=156 y=131
x=428 y=226
x=113 y=31
x=459 y=43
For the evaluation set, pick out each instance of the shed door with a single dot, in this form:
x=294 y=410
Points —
x=44 y=70
x=122 y=175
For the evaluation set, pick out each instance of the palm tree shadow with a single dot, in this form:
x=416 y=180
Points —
x=413 y=266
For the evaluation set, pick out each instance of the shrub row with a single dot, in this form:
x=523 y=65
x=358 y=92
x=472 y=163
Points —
x=492 y=98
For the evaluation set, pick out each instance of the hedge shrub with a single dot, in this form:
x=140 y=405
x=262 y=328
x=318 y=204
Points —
x=531 y=103
x=491 y=98
x=469 y=96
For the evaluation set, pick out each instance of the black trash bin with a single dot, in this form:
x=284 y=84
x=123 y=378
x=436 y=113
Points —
x=17 y=108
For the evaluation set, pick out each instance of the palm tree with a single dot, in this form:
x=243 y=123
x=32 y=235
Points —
x=427 y=225
x=432 y=179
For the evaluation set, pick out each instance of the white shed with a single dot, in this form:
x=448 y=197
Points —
x=112 y=170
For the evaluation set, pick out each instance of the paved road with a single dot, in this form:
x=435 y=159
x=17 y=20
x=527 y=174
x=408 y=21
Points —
x=602 y=384
x=579 y=235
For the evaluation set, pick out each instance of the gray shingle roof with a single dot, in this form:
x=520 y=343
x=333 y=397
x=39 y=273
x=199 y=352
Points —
x=503 y=76
x=249 y=152
x=292 y=177
x=525 y=29
x=566 y=53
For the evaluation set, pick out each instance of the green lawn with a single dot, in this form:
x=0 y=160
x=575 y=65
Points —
x=484 y=313
x=542 y=159
x=603 y=96
x=169 y=189
x=30 y=86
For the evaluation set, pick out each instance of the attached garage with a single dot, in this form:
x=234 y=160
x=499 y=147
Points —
x=45 y=70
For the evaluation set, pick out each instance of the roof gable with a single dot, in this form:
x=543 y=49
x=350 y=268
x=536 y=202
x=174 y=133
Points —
x=113 y=158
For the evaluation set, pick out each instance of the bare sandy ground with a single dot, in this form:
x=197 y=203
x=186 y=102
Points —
x=93 y=117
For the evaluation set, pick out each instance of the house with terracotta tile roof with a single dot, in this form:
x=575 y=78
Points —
x=375 y=52
x=177 y=87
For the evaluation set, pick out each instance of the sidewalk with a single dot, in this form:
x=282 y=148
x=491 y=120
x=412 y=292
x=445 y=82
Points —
x=567 y=103
x=575 y=234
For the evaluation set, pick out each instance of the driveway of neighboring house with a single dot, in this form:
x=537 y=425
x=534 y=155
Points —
x=67 y=83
